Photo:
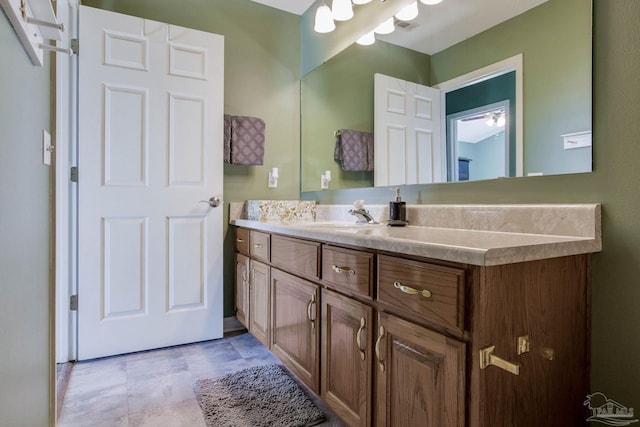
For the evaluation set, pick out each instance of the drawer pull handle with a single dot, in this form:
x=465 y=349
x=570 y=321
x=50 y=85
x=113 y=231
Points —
x=240 y=240
x=411 y=291
x=309 y=314
x=343 y=270
x=380 y=361
x=258 y=246
x=362 y=327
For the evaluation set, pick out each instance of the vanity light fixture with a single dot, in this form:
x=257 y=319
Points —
x=408 y=12
x=342 y=10
x=324 y=19
x=367 y=39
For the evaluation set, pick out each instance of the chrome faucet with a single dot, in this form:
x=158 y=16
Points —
x=363 y=215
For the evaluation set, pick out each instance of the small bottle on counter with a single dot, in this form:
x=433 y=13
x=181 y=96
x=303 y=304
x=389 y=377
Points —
x=397 y=211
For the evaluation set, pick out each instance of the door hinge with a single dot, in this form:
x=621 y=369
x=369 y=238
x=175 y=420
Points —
x=74 y=174
x=75 y=46
x=73 y=303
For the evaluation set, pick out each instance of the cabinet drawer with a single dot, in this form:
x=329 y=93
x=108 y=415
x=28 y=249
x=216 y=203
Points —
x=242 y=241
x=259 y=245
x=348 y=270
x=296 y=256
x=432 y=292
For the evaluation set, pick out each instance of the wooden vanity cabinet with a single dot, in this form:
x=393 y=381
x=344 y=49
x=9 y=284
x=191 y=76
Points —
x=349 y=271
x=295 y=323
x=260 y=246
x=296 y=256
x=242 y=289
x=242 y=241
x=346 y=355
x=546 y=301
x=420 y=376
x=403 y=341
x=428 y=292
x=260 y=301
x=420 y=372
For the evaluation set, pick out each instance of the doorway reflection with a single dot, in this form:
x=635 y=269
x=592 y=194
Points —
x=478 y=143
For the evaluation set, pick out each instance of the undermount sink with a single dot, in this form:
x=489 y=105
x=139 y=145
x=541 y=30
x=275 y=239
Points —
x=335 y=224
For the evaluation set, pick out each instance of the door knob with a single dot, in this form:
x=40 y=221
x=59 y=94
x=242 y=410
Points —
x=213 y=202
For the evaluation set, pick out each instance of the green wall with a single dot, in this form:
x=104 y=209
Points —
x=24 y=237
x=339 y=95
x=261 y=75
x=557 y=85
x=615 y=182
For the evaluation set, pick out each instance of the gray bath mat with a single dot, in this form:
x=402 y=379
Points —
x=259 y=396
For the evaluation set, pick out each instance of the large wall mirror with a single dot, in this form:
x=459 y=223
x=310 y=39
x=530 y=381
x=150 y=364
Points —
x=515 y=98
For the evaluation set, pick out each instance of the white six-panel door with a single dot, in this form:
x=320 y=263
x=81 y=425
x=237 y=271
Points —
x=408 y=144
x=150 y=149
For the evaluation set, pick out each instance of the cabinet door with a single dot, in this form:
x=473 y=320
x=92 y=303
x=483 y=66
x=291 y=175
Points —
x=242 y=289
x=259 y=314
x=346 y=357
x=420 y=376
x=295 y=328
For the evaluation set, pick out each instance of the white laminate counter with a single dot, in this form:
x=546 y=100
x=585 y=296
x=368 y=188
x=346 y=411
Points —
x=472 y=234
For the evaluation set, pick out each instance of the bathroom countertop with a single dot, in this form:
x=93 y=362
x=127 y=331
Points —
x=469 y=246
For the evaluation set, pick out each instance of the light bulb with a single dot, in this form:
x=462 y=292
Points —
x=324 y=21
x=408 y=12
x=342 y=10
x=386 y=27
x=367 y=39
x=361 y=1
x=501 y=121
x=490 y=122
x=431 y=2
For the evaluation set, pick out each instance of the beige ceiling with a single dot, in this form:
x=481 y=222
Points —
x=293 y=6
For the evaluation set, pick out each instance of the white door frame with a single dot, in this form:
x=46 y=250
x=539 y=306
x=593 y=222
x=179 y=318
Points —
x=514 y=63
x=65 y=191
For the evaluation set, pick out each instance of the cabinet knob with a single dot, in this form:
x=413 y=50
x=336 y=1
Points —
x=411 y=291
x=258 y=245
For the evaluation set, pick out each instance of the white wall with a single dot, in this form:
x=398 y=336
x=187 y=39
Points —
x=24 y=237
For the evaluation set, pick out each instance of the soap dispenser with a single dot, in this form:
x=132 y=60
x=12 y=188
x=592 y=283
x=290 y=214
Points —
x=397 y=211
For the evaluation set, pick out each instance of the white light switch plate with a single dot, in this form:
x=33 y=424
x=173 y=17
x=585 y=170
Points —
x=46 y=148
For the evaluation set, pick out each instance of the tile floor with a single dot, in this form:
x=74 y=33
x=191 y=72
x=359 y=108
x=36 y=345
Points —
x=155 y=388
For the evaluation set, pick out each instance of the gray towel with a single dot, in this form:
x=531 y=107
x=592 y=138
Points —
x=354 y=150
x=245 y=136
